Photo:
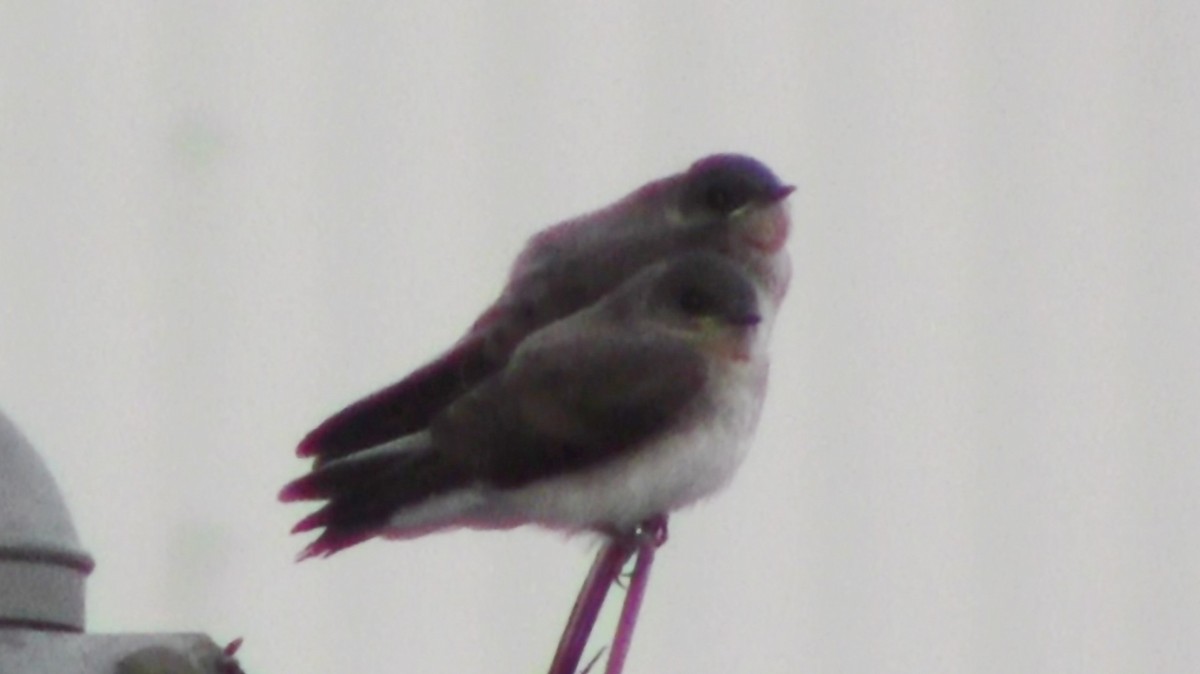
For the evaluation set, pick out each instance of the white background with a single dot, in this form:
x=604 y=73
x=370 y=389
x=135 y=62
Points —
x=220 y=221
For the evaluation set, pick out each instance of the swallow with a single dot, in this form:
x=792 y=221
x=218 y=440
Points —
x=628 y=409
x=729 y=204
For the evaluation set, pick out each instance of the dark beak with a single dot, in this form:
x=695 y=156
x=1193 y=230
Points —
x=780 y=193
x=746 y=320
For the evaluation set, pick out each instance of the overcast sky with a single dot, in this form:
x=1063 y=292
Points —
x=220 y=222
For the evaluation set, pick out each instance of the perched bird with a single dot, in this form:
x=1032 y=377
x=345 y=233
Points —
x=633 y=407
x=730 y=204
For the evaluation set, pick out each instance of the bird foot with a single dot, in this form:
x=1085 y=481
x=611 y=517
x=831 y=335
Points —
x=653 y=531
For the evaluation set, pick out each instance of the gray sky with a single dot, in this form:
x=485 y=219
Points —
x=221 y=222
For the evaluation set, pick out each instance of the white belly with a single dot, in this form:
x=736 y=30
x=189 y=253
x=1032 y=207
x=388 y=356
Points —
x=678 y=469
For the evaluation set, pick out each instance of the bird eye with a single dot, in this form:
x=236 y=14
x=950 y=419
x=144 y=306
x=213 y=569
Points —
x=722 y=184
x=720 y=199
x=726 y=194
x=694 y=302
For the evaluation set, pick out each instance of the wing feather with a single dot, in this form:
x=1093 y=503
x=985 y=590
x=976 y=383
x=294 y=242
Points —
x=558 y=408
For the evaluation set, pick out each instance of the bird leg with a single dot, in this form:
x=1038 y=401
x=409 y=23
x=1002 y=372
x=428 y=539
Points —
x=609 y=561
x=606 y=569
x=650 y=535
x=655 y=529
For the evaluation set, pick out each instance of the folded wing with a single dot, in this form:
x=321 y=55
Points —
x=559 y=406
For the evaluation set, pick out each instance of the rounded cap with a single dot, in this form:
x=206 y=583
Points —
x=42 y=566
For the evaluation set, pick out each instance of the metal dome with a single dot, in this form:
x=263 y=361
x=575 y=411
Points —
x=42 y=566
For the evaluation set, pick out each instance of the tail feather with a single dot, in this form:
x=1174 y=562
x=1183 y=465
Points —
x=366 y=490
x=403 y=408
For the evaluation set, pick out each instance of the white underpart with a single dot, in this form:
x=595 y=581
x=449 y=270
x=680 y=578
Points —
x=457 y=507
x=679 y=468
x=676 y=470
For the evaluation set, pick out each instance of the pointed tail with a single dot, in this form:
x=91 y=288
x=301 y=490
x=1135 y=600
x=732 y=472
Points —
x=366 y=491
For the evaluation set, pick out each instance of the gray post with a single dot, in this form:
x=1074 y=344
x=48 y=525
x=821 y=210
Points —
x=43 y=572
